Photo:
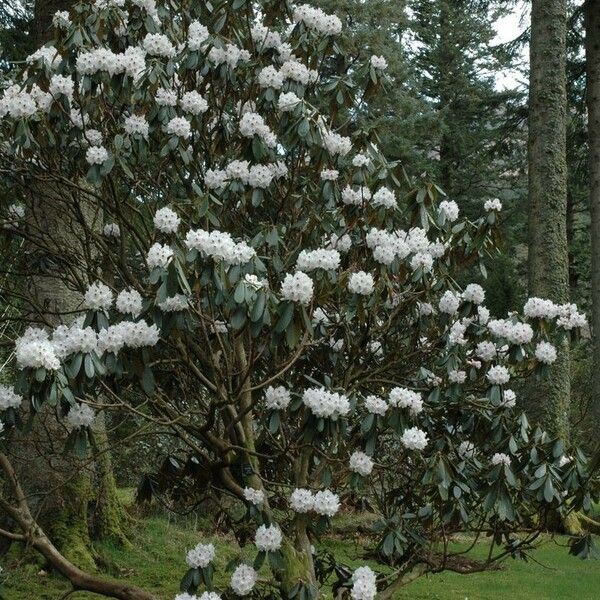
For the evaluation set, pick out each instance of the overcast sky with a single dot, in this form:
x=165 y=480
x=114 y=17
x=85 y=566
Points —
x=508 y=28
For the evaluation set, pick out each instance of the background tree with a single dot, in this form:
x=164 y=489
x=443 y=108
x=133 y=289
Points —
x=548 y=252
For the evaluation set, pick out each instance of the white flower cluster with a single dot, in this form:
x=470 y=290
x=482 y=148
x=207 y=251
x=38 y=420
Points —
x=324 y=502
x=96 y=155
x=414 y=439
x=136 y=125
x=34 y=350
x=288 y=101
x=200 y=556
x=309 y=260
x=361 y=463
x=356 y=197
x=473 y=293
x=129 y=302
x=316 y=19
x=252 y=124
x=159 y=256
x=127 y=334
x=61 y=19
x=277 y=398
x=498 y=375
x=466 y=449
x=540 y=308
x=512 y=331
x=80 y=415
x=219 y=246
x=8 y=398
x=166 y=97
x=157 y=44
x=449 y=209
x=570 y=318
x=449 y=302
x=545 y=352
x=175 y=303
x=384 y=198
x=404 y=398
x=509 y=399
x=501 y=459
x=487 y=351
x=456 y=376
x=230 y=55
x=325 y=404
x=361 y=283
x=98 y=297
x=131 y=62
x=364 y=584
x=243 y=579
x=387 y=246
x=193 y=103
x=298 y=287
x=268 y=538
x=493 y=205
x=179 y=127
x=68 y=340
x=61 y=85
x=197 y=35
x=379 y=62
x=336 y=144
x=166 y=220
x=254 y=496
x=270 y=77
x=376 y=405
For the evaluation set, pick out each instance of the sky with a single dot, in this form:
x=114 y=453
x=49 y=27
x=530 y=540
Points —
x=507 y=29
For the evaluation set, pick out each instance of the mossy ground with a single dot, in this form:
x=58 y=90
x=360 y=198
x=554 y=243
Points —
x=155 y=561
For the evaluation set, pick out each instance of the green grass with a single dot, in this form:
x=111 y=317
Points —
x=156 y=562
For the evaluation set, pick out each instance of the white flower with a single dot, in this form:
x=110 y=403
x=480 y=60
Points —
x=34 y=350
x=8 y=398
x=500 y=459
x=361 y=463
x=316 y=19
x=414 y=439
x=200 y=556
x=495 y=204
x=385 y=198
x=336 y=144
x=545 y=353
x=209 y=596
x=80 y=415
x=180 y=127
x=61 y=19
x=112 y=230
x=157 y=44
x=449 y=209
x=361 y=283
x=422 y=260
x=329 y=174
x=509 y=399
x=449 y=303
x=325 y=404
x=254 y=496
x=197 y=35
x=277 y=398
x=364 y=585
x=455 y=376
x=220 y=246
x=98 y=296
x=175 y=303
x=243 y=579
x=474 y=293
x=166 y=220
x=288 y=101
x=159 y=255
x=486 y=351
x=466 y=449
x=136 y=125
x=268 y=539
x=539 y=308
x=376 y=405
x=61 y=85
x=270 y=77
x=165 y=97
x=96 y=155
x=302 y=500
x=298 y=287
x=326 y=503
x=309 y=260
x=193 y=103
x=379 y=62
x=129 y=302
x=498 y=375
x=356 y=197
x=404 y=398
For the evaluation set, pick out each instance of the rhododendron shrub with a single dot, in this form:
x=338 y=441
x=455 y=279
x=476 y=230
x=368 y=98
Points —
x=281 y=298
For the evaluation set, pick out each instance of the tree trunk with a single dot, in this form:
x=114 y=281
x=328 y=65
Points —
x=592 y=52
x=548 y=253
x=77 y=499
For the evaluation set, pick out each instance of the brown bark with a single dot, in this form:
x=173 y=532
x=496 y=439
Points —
x=548 y=253
x=592 y=51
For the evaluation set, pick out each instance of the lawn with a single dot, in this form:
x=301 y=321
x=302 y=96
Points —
x=156 y=562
